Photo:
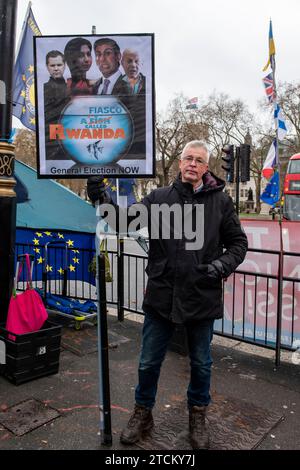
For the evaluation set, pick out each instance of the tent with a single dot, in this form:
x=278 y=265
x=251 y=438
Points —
x=49 y=212
x=50 y=205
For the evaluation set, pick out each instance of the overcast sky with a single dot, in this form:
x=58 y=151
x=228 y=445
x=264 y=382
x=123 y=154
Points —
x=200 y=45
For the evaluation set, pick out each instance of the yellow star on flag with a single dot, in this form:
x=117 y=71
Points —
x=31 y=68
x=32 y=120
x=61 y=271
x=70 y=243
x=75 y=251
x=36 y=241
x=114 y=188
x=23 y=110
x=39 y=234
x=49 y=268
x=40 y=260
x=72 y=268
x=60 y=235
x=37 y=250
x=23 y=94
x=24 y=78
x=48 y=234
x=76 y=260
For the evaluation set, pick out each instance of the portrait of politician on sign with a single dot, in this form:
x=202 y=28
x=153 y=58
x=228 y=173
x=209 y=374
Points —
x=95 y=106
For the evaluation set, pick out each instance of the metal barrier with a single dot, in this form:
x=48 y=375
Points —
x=254 y=313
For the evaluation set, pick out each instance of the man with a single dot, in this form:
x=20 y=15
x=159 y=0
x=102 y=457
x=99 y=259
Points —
x=136 y=101
x=133 y=77
x=55 y=99
x=78 y=54
x=184 y=286
x=108 y=57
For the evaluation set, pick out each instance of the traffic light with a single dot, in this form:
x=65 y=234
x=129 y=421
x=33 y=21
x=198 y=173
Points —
x=245 y=162
x=229 y=160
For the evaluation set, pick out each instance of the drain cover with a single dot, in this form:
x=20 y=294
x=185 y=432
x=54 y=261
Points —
x=26 y=416
x=86 y=341
x=234 y=425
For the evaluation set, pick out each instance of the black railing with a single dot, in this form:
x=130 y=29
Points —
x=251 y=314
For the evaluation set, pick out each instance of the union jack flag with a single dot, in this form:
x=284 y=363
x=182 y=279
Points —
x=192 y=103
x=268 y=82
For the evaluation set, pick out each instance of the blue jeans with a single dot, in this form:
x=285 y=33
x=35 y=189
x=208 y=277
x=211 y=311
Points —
x=156 y=335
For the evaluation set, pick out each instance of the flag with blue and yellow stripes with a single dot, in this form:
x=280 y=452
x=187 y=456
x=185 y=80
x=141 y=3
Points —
x=271 y=59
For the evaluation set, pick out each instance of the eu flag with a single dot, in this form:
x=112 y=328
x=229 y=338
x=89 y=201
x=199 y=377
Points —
x=24 y=94
x=271 y=193
x=126 y=188
x=70 y=251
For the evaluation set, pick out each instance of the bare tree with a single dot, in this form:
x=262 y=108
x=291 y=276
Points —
x=173 y=130
x=228 y=122
x=25 y=149
x=289 y=100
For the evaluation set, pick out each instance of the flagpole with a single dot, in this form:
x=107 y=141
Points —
x=280 y=259
x=23 y=29
x=102 y=333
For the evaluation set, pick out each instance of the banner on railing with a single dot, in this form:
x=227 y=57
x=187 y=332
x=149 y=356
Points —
x=251 y=301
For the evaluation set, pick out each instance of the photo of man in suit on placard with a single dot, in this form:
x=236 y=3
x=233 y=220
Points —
x=55 y=99
x=108 y=57
x=136 y=100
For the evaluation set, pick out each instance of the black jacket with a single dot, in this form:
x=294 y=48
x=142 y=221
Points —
x=56 y=97
x=179 y=287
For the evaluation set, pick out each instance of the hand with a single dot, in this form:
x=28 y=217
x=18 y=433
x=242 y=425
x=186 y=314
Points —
x=96 y=189
x=215 y=270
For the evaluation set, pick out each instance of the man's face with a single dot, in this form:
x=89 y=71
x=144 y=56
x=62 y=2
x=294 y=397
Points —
x=107 y=59
x=56 y=67
x=131 y=63
x=193 y=165
x=84 y=60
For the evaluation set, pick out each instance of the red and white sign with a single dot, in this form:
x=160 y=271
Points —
x=251 y=300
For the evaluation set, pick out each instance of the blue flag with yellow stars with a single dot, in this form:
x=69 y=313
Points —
x=271 y=193
x=24 y=94
x=57 y=252
x=126 y=188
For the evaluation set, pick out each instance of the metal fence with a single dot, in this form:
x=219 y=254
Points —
x=261 y=307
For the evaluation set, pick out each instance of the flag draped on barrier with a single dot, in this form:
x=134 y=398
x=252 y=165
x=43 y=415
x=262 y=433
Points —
x=24 y=92
x=72 y=251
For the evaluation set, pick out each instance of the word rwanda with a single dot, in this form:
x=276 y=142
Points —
x=59 y=132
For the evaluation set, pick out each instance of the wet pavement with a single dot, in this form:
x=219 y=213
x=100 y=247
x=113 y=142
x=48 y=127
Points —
x=253 y=405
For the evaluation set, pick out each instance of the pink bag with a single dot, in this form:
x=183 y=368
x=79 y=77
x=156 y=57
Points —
x=26 y=311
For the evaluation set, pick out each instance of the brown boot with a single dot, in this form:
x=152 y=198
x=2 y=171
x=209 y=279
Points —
x=140 y=422
x=199 y=435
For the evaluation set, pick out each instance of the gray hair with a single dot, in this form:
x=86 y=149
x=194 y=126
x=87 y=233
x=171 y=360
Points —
x=195 y=144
